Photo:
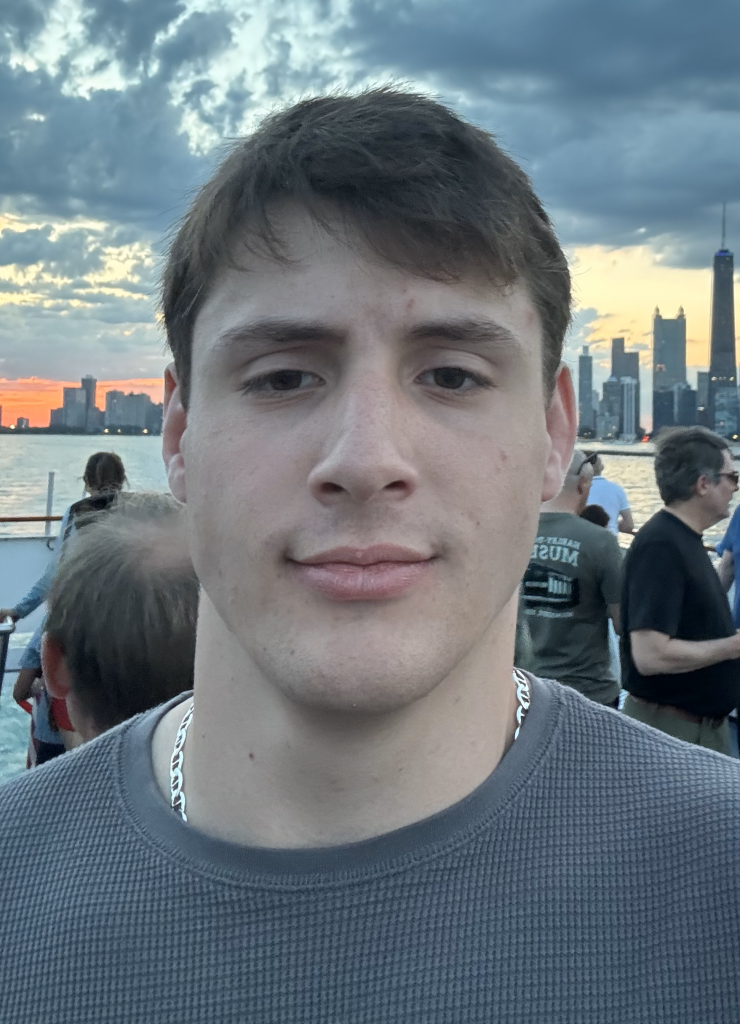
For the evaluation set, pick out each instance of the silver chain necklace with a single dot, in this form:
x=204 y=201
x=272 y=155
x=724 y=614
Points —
x=177 y=789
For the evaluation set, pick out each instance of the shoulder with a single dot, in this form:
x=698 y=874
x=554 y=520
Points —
x=665 y=792
x=59 y=800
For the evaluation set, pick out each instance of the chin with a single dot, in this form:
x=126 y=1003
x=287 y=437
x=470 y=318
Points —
x=354 y=679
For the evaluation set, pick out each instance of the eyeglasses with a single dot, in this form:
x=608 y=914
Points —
x=589 y=460
x=734 y=476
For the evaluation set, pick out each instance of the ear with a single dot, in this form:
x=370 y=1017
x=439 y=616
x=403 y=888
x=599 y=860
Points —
x=54 y=665
x=174 y=425
x=561 y=423
x=702 y=485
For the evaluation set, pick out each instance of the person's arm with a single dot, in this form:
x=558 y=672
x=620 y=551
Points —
x=610 y=558
x=726 y=569
x=35 y=596
x=625 y=521
x=39 y=591
x=616 y=616
x=657 y=654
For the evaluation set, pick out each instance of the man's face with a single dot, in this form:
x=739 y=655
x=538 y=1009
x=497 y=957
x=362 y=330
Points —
x=718 y=495
x=363 y=461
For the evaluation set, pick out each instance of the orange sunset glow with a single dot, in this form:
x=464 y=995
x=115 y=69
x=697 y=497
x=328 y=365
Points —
x=35 y=397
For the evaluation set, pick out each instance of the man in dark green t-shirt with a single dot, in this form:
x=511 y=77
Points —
x=571 y=589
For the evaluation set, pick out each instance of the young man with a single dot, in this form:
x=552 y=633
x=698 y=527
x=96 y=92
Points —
x=612 y=499
x=366 y=307
x=680 y=645
x=571 y=588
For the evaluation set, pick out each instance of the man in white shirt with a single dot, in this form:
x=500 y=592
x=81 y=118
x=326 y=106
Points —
x=611 y=497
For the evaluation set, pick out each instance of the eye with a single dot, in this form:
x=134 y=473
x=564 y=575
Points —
x=280 y=381
x=454 y=378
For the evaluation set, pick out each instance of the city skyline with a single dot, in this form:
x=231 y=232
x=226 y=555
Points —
x=713 y=402
x=35 y=398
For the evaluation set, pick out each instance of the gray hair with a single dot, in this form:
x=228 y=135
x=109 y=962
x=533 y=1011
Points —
x=682 y=455
x=123 y=608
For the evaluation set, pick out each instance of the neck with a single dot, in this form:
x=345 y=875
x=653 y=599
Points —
x=261 y=770
x=563 y=502
x=691 y=514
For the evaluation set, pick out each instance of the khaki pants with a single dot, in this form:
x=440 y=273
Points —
x=703 y=734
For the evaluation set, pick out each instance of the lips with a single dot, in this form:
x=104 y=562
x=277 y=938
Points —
x=376 y=573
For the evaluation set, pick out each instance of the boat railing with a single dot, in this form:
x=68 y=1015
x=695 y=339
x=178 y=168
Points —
x=30 y=519
x=7 y=627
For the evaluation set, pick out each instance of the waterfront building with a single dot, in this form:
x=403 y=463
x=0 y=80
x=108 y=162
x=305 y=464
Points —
x=663 y=410
x=627 y=364
x=132 y=412
x=585 y=392
x=22 y=423
x=628 y=392
x=56 y=418
x=702 y=398
x=74 y=408
x=722 y=397
x=684 y=405
x=669 y=350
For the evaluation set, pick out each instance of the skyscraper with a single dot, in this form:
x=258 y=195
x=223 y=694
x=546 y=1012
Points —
x=628 y=389
x=88 y=385
x=669 y=350
x=585 y=391
x=702 y=398
x=627 y=364
x=723 y=404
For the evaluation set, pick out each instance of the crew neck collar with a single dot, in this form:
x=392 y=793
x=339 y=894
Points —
x=678 y=519
x=161 y=827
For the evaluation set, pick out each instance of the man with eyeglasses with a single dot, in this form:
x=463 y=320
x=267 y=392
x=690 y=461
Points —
x=571 y=589
x=680 y=647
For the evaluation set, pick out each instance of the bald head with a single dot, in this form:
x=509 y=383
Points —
x=574 y=495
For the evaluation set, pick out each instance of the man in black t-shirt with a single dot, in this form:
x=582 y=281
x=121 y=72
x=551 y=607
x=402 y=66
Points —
x=680 y=649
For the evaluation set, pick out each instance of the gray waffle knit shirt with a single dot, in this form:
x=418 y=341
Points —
x=591 y=879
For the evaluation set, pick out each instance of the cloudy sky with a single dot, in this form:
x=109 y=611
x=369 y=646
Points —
x=113 y=111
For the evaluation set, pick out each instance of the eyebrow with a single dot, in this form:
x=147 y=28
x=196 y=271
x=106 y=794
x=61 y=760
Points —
x=473 y=331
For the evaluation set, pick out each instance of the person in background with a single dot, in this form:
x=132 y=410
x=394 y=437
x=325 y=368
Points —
x=595 y=514
x=680 y=647
x=729 y=572
x=570 y=591
x=611 y=497
x=103 y=479
x=120 y=632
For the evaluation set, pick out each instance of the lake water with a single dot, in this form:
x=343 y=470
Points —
x=25 y=463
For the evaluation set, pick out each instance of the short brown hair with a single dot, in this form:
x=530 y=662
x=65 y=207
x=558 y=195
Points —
x=123 y=608
x=682 y=455
x=424 y=190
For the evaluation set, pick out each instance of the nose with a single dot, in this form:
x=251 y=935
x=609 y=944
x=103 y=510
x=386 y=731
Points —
x=364 y=457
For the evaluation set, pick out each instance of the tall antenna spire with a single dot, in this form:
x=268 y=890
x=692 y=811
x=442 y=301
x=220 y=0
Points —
x=724 y=225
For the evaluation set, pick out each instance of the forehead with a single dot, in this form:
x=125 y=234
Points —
x=330 y=277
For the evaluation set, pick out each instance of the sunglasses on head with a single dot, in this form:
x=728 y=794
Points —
x=589 y=460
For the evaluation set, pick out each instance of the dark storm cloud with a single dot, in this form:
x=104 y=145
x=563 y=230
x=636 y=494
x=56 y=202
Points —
x=117 y=154
x=75 y=252
x=626 y=115
x=199 y=37
x=128 y=28
x=554 y=50
x=23 y=19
